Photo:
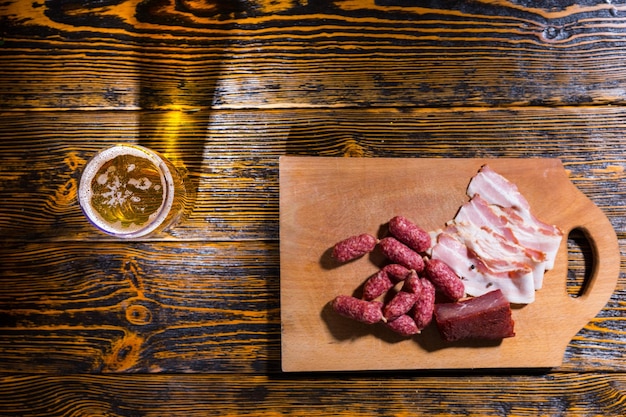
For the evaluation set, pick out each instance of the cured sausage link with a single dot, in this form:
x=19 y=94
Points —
x=413 y=284
x=368 y=312
x=376 y=285
x=396 y=272
x=403 y=325
x=425 y=305
x=398 y=252
x=400 y=304
x=409 y=233
x=354 y=247
x=444 y=279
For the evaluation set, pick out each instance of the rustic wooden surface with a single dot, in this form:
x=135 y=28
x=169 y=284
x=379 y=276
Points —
x=188 y=323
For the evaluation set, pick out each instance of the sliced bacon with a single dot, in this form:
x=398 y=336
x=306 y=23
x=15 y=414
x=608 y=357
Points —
x=536 y=238
x=496 y=189
x=494 y=249
x=517 y=284
x=495 y=242
x=521 y=242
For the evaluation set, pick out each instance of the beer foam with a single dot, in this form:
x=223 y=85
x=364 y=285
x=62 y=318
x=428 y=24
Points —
x=117 y=194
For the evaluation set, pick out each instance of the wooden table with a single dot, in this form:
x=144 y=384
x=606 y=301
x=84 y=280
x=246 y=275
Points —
x=188 y=322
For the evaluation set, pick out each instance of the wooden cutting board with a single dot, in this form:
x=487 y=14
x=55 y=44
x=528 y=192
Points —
x=324 y=200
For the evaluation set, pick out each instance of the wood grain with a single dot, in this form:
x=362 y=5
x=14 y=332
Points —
x=225 y=88
x=232 y=157
x=556 y=394
x=119 y=307
x=182 y=307
x=192 y=54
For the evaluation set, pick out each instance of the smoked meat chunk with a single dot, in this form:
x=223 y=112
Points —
x=485 y=317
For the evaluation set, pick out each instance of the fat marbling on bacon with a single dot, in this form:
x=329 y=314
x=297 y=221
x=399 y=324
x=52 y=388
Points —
x=495 y=241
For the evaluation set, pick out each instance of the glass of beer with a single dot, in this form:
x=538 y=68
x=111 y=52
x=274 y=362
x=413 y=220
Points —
x=131 y=191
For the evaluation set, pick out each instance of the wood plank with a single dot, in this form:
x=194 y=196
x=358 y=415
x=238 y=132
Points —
x=166 y=54
x=600 y=394
x=193 y=307
x=133 y=307
x=232 y=157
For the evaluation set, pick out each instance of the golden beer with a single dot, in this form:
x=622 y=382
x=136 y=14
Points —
x=131 y=191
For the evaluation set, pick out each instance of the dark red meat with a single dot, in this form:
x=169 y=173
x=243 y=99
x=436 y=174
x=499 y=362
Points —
x=399 y=253
x=485 y=317
x=376 y=285
x=353 y=247
x=368 y=312
x=425 y=304
x=400 y=304
x=403 y=325
x=409 y=233
x=445 y=279
x=396 y=272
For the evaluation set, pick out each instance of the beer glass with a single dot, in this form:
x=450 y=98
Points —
x=131 y=191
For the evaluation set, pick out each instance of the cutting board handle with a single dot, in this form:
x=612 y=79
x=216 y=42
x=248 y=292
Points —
x=605 y=258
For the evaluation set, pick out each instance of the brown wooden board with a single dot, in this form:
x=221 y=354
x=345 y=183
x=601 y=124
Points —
x=325 y=199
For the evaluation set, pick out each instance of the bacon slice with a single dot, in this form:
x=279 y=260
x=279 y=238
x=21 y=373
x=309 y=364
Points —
x=517 y=284
x=495 y=242
x=505 y=197
x=536 y=238
x=496 y=189
x=522 y=243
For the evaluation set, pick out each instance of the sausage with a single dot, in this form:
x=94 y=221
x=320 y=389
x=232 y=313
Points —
x=398 y=252
x=425 y=305
x=368 y=312
x=412 y=283
x=410 y=234
x=400 y=304
x=445 y=279
x=376 y=285
x=396 y=272
x=353 y=247
x=403 y=325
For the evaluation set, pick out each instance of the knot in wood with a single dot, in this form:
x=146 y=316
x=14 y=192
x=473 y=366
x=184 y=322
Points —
x=555 y=33
x=138 y=314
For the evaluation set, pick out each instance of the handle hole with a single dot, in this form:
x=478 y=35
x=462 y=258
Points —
x=580 y=262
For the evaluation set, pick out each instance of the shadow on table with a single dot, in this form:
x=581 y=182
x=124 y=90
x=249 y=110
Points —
x=177 y=84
